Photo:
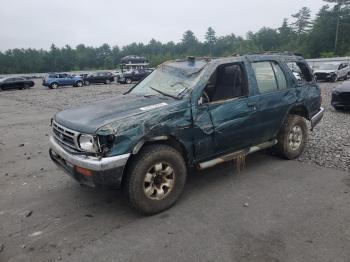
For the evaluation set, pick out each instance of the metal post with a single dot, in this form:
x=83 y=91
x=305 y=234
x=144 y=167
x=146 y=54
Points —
x=336 y=34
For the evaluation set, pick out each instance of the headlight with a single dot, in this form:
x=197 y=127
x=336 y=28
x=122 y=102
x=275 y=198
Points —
x=88 y=143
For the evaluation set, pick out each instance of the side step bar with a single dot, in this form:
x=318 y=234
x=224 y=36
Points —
x=234 y=155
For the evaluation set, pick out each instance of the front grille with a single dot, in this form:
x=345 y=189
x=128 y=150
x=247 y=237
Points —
x=65 y=136
x=322 y=75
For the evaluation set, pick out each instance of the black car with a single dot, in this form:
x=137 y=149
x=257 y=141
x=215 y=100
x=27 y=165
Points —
x=99 y=77
x=341 y=96
x=15 y=83
x=132 y=76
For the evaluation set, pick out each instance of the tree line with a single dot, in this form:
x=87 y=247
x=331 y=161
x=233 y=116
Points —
x=327 y=35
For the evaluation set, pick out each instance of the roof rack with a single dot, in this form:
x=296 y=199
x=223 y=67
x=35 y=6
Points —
x=289 y=53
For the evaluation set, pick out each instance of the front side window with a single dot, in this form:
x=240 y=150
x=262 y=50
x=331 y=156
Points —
x=265 y=77
x=227 y=82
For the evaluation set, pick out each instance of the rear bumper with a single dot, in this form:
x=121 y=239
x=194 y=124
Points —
x=317 y=118
x=88 y=170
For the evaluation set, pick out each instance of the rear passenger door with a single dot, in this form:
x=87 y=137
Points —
x=275 y=97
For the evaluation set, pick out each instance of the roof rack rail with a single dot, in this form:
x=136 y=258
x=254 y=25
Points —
x=276 y=53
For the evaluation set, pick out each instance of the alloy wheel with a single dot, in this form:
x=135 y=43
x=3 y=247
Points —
x=159 y=181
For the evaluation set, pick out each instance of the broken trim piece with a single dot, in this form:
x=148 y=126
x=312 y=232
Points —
x=236 y=154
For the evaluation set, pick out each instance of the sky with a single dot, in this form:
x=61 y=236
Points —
x=39 y=23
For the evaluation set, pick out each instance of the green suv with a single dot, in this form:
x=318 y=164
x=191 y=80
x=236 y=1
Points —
x=197 y=112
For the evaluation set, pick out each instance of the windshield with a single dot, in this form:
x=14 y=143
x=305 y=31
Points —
x=171 y=79
x=329 y=67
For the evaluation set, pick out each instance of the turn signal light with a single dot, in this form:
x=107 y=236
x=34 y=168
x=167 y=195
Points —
x=83 y=171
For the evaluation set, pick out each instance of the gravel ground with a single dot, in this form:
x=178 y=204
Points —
x=329 y=143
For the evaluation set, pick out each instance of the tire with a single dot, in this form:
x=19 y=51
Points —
x=107 y=81
x=148 y=187
x=292 y=137
x=345 y=77
x=79 y=84
x=87 y=83
x=128 y=81
x=54 y=85
x=334 y=78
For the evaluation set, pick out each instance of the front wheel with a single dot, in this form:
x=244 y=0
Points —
x=87 y=83
x=107 y=82
x=128 y=81
x=334 y=78
x=292 y=137
x=155 y=179
x=79 y=84
x=54 y=86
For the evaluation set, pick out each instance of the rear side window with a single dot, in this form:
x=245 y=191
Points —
x=52 y=76
x=265 y=77
x=280 y=76
x=300 y=71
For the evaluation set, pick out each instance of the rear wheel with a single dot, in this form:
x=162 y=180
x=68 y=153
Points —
x=346 y=77
x=54 y=86
x=79 y=84
x=128 y=81
x=292 y=137
x=107 y=81
x=155 y=179
x=87 y=83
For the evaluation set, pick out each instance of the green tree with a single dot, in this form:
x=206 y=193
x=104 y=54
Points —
x=302 y=20
x=210 y=39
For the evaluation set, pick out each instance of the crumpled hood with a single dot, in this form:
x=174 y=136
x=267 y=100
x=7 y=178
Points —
x=324 y=71
x=89 y=118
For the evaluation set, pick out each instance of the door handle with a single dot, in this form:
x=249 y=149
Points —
x=252 y=105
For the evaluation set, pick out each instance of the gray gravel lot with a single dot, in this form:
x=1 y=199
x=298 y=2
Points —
x=274 y=210
x=329 y=143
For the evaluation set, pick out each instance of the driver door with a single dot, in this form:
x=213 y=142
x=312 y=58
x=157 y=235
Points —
x=227 y=122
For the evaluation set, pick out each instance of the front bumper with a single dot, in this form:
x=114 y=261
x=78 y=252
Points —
x=324 y=76
x=317 y=118
x=341 y=100
x=88 y=170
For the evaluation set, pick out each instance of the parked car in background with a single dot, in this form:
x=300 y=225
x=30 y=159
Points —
x=332 y=72
x=187 y=113
x=15 y=83
x=341 y=96
x=54 y=80
x=128 y=77
x=99 y=77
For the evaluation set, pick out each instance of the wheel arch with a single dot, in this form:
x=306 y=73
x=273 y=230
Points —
x=300 y=110
x=168 y=140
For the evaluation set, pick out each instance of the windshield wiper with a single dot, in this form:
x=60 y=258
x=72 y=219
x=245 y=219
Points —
x=164 y=94
x=183 y=91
